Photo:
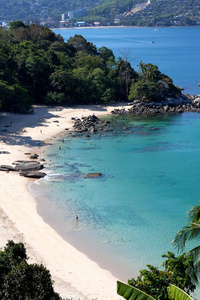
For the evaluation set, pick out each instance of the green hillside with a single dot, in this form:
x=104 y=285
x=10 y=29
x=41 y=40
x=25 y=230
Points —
x=108 y=12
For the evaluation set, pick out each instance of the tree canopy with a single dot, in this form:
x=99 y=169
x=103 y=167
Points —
x=19 y=280
x=38 y=67
x=177 y=271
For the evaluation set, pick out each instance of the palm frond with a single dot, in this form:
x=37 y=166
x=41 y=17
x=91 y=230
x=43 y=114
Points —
x=131 y=293
x=176 y=293
x=187 y=233
x=195 y=252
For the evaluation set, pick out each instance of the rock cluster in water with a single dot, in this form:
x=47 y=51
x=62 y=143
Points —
x=185 y=103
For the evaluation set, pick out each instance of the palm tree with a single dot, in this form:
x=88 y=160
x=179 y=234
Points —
x=190 y=232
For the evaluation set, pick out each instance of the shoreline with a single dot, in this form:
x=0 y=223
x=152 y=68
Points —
x=72 y=271
x=121 y=26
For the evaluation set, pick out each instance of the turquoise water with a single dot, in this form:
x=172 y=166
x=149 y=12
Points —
x=129 y=216
x=175 y=49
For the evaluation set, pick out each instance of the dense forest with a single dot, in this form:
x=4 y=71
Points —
x=157 y=13
x=38 y=67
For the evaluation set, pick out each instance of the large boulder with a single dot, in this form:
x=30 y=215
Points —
x=34 y=156
x=4 y=152
x=6 y=168
x=27 y=166
x=32 y=174
x=93 y=175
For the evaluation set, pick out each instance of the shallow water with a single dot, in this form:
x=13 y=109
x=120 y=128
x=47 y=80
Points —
x=129 y=216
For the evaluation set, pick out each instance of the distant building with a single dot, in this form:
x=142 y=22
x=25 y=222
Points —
x=63 y=17
x=80 y=24
x=97 y=24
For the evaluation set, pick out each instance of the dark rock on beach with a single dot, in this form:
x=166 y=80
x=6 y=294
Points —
x=6 y=168
x=34 y=156
x=25 y=168
x=32 y=174
x=28 y=166
x=4 y=152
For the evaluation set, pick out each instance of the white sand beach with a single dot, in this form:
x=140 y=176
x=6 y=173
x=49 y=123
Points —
x=74 y=274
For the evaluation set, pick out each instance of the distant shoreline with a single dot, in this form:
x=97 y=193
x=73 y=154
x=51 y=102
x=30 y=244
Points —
x=122 y=26
x=92 y=27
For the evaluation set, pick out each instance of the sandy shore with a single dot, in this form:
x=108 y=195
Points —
x=74 y=274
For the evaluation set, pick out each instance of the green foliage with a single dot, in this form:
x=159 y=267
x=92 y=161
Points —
x=177 y=270
x=28 y=282
x=110 y=9
x=80 y=44
x=176 y=293
x=34 y=33
x=16 y=24
x=14 y=98
x=37 y=66
x=152 y=85
x=19 y=280
x=131 y=293
x=106 y=54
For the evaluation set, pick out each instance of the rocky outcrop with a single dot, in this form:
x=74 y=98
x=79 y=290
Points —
x=25 y=168
x=29 y=166
x=185 y=103
x=90 y=125
x=4 y=152
x=93 y=175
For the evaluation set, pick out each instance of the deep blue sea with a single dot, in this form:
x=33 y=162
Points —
x=129 y=216
x=175 y=49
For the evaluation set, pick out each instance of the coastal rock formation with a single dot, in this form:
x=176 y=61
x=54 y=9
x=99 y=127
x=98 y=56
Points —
x=6 y=168
x=185 y=103
x=28 y=166
x=25 y=168
x=90 y=124
x=93 y=175
x=32 y=174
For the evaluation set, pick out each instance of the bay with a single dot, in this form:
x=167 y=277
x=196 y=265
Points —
x=174 y=49
x=129 y=216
